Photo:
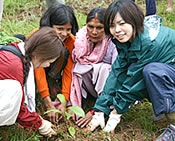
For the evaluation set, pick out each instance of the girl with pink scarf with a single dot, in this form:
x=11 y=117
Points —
x=93 y=56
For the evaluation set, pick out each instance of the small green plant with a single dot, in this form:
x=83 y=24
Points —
x=77 y=110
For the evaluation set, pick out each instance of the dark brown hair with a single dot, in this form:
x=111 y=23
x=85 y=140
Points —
x=45 y=44
x=99 y=12
x=129 y=12
x=59 y=14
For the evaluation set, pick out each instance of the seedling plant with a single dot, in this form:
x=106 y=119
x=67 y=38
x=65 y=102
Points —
x=76 y=109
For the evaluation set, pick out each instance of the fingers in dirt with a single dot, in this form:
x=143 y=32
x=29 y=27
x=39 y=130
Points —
x=73 y=117
x=86 y=123
x=61 y=117
x=79 y=121
x=83 y=122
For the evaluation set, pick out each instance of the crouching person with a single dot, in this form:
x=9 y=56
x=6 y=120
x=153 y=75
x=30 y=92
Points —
x=144 y=68
x=16 y=75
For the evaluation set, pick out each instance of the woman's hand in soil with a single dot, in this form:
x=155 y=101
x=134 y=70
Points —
x=62 y=108
x=72 y=113
x=52 y=116
x=82 y=122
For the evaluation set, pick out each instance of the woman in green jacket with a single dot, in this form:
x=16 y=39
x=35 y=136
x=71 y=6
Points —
x=144 y=67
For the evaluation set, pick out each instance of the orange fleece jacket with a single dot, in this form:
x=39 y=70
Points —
x=40 y=74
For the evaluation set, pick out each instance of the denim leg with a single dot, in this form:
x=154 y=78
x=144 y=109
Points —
x=150 y=7
x=160 y=83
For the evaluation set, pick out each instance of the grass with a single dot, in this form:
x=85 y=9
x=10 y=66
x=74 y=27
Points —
x=22 y=16
x=16 y=133
x=167 y=17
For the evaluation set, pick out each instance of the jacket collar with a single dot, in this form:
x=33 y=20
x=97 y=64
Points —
x=136 y=44
x=133 y=46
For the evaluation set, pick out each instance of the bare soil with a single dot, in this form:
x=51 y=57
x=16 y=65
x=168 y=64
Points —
x=131 y=128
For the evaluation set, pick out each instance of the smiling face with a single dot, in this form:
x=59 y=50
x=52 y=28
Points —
x=63 y=30
x=95 y=30
x=121 y=30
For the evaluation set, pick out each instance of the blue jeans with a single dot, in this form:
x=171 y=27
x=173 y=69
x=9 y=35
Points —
x=160 y=83
x=150 y=7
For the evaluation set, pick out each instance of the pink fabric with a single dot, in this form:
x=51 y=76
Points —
x=56 y=103
x=75 y=95
x=85 y=53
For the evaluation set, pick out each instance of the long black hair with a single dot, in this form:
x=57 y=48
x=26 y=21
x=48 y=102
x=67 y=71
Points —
x=59 y=14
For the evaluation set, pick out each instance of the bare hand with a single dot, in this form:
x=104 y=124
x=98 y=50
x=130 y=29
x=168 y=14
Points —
x=82 y=122
x=72 y=113
x=62 y=108
x=52 y=116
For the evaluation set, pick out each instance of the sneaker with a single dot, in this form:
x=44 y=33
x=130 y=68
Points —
x=168 y=134
x=169 y=9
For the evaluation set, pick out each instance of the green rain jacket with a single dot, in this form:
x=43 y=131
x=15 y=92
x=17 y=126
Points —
x=125 y=83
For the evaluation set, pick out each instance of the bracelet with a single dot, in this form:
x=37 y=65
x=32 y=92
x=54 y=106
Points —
x=92 y=112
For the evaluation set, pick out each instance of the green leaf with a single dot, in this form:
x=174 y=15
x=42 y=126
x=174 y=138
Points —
x=54 y=110
x=77 y=110
x=62 y=98
x=68 y=115
x=71 y=131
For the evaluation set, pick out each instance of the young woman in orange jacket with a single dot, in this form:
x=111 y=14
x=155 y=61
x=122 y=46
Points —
x=60 y=17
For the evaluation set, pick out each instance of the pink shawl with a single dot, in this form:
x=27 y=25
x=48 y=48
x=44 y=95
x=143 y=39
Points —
x=85 y=53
